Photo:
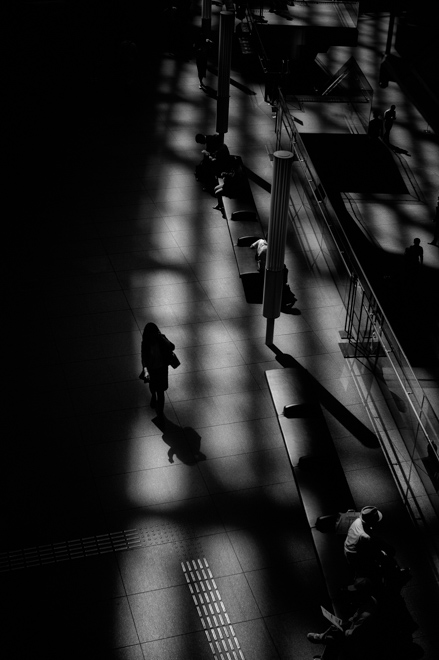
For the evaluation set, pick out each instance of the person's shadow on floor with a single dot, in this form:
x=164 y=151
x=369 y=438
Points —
x=398 y=150
x=184 y=443
x=289 y=309
x=209 y=91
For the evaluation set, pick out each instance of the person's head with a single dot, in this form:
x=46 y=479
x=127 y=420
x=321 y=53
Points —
x=150 y=332
x=416 y=241
x=200 y=138
x=393 y=107
x=370 y=516
x=376 y=114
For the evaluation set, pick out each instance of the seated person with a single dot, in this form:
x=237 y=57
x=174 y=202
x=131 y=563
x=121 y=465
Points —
x=356 y=628
x=231 y=185
x=261 y=247
x=221 y=160
x=206 y=170
x=212 y=142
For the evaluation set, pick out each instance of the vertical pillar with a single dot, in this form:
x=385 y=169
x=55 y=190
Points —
x=227 y=24
x=277 y=236
x=390 y=32
x=206 y=18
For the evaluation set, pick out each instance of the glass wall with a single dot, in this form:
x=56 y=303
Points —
x=370 y=336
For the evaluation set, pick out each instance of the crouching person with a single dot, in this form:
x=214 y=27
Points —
x=357 y=631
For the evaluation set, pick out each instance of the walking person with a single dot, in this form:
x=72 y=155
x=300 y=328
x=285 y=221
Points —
x=388 y=121
x=436 y=225
x=156 y=351
x=201 y=59
x=414 y=256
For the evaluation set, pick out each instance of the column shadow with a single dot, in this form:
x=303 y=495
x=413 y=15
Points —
x=365 y=436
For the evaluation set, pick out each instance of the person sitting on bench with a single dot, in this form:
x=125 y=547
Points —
x=205 y=171
x=356 y=628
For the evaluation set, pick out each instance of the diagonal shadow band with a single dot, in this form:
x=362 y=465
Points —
x=262 y=183
x=363 y=434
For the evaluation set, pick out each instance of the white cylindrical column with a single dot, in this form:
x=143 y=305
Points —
x=227 y=24
x=277 y=234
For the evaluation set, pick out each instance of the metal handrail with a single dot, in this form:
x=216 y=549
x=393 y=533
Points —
x=353 y=268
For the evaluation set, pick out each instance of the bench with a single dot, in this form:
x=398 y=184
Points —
x=317 y=471
x=244 y=226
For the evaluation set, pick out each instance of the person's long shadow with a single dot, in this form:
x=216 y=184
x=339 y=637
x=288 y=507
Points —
x=398 y=150
x=184 y=443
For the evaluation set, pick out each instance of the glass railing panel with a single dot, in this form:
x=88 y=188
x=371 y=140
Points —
x=416 y=421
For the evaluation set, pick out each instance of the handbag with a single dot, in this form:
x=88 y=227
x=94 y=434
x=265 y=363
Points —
x=174 y=362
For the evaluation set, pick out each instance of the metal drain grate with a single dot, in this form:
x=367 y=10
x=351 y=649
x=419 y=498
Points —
x=212 y=612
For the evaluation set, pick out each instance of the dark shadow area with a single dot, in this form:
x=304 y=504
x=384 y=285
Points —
x=375 y=170
x=209 y=91
x=349 y=421
x=68 y=88
x=253 y=285
x=184 y=443
x=332 y=405
x=258 y=179
x=253 y=288
x=234 y=83
x=242 y=87
x=400 y=404
x=398 y=150
x=293 y=311
x=286 y=360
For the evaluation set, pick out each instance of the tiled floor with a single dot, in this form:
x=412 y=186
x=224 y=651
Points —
x=134 y=239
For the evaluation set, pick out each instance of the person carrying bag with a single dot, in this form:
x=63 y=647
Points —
x=157 y=353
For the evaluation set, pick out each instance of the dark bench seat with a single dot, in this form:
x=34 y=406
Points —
x=317 y=471
x=244 y=226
